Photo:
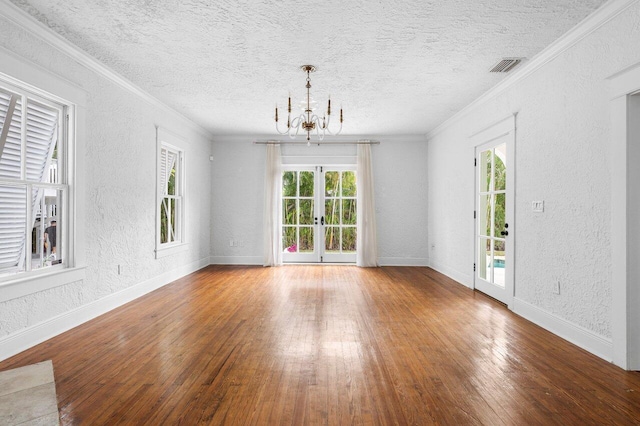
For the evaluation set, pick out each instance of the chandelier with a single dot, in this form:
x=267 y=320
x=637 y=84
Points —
x=308 y=121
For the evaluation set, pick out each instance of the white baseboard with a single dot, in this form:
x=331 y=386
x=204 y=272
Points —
x=26 y=338
x=236 y=260
x=579 y=336
x=464 y=279
x=403 y=261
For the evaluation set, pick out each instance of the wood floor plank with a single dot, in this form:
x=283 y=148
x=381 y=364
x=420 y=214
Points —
x=326 y=345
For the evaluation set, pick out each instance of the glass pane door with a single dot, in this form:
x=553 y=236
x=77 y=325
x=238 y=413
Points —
x=319 y=214
x=491 y=226
x=299 y=216
x=340 y=216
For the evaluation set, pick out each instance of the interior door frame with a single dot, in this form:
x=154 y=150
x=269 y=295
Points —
x=504 y=128
x=624 y=92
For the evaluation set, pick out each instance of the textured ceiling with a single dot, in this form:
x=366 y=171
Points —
x=396 y=67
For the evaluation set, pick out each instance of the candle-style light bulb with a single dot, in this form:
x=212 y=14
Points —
x=329 y=107
x=341 y=115
x=289 y=104
x=276 y=113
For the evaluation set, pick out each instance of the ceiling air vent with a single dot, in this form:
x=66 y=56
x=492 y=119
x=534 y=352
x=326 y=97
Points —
x=506 y=64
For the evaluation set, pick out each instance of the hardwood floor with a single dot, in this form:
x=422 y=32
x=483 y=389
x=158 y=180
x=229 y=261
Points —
x=326 y=345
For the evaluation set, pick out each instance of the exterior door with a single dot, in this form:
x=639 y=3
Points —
x=493 y=267
x=319 y=214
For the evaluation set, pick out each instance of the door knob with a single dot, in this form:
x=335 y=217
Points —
x=322 y=220
x=504 y=233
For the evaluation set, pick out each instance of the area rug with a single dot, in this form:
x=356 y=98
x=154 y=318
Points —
x=28 y=396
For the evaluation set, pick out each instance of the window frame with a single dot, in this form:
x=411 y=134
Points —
x=172 y=143
x=66 y=111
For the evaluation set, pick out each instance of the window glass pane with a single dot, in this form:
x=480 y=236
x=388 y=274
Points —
x=52 y=174
x=484 y=222
x=484 y=259
x=289 y=239
x=46 y=241
x=349 y=239
x=306 y=239
x=500 y=165
x=332 y=239
x=164 y=221
x=11 y=155
x=348 y=184
x=171 y=183
x=348 y=212
x=172 y=228
x=289 y=184
x=331 y=184
x=485 y=170
x=498 y=262
x=306 y=184
x=306 y=212
x=13 y=221
x=499 y=208
x=289 y=212
x=42 y=136
x=332 y=212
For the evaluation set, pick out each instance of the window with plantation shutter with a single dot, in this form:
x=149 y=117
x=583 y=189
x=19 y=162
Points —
x=32 y=187
x=170 y=194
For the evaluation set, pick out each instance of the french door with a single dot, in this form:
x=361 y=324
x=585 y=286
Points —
x=319 y=216
x=493 y=267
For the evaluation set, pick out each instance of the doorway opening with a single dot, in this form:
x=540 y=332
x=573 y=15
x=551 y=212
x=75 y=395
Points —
x=494 y=207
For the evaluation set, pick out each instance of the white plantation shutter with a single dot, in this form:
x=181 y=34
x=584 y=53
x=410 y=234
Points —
x=10 y=157
x=13 y=216
x=42 y=125
x=40 y=140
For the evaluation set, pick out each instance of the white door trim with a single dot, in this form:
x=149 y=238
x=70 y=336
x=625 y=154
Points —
x=625 y=233
x=503 y=128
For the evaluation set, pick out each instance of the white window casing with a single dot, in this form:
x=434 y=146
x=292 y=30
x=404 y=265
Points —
x=33 y=185
x=53 y=111
x=170 y=194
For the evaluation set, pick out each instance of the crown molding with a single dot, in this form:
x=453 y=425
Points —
x=26 y=21
x=591 y=23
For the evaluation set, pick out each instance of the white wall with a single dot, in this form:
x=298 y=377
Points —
x=116 y=200
x=400 y=178
x=562 y=157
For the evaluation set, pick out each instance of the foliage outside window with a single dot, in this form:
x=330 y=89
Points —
x=170 y=209
x=33 y=181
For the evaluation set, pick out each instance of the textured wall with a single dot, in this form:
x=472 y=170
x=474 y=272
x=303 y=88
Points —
x=400 y=179
x=562 y=158
x=119 y=180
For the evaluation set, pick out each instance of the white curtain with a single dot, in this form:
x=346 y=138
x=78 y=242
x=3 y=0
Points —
x=272 y=207
x=367 y=244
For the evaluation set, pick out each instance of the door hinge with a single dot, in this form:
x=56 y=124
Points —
x=321 y=259
x=474 y=267
x=475 y=162
x=320 y=169
x=474 y=214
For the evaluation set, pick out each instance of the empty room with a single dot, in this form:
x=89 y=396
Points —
x=410 y=212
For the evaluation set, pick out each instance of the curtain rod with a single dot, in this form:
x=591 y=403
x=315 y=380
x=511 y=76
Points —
x=359 y=142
